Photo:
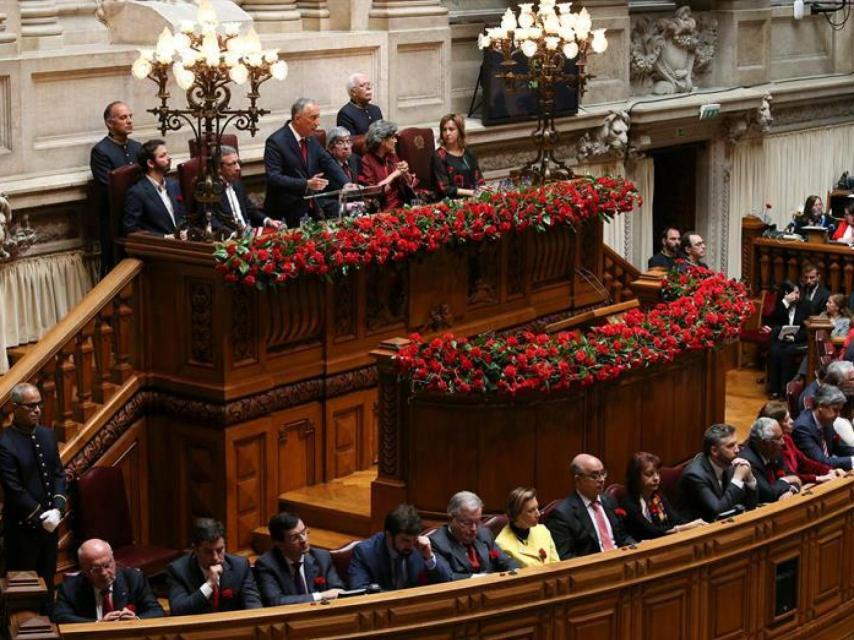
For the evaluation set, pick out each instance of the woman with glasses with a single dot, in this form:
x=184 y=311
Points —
x=381 y=167
x=456 y=173
x=523 y=538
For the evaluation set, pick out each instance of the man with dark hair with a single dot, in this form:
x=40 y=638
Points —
x=154 y=204
x=814 y=433
x=585 y=522
x=717 y=480
x=292 y=571
x=812 y=291
x=398 y=557
x=693 y=249
x=297 y=166
x=234 y=199
x=666 y=258
x=466 y=545
x=33 y=483
x=208 y=579
x=764 y=452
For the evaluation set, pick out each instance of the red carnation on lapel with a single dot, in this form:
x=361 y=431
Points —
x=620 y=513
x=131 y=607
x=227 y=594
x=320 y=581
x=179 y=198
x=423 y=578
x=543 y=554
x=780 y=473
x=494 y=554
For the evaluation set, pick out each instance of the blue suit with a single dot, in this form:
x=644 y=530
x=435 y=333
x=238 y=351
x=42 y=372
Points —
x=251 y=215
x=276 y=582
x=371 y=564
x=288 y=174
x=145 y=211
x=808 y=437
x=237 y=586
x=76 y=599
x=490 y=556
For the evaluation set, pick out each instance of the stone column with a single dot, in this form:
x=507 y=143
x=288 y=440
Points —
x=273 y=16
x=610 y=69
x=10 y=26
x=744 y=42
x=40 y=28
x=315 y=15
x=395 y=15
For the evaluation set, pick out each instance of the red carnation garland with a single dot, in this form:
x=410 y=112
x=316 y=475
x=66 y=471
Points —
x=708 y=310
x=335 y=248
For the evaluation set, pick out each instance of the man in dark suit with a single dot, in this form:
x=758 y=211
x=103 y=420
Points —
x=358 y=114
x=154 y=203
x=114 y=150
x=292 y=571
x=466 y=546
x=584 y=522
x=814 y=433
x=717 y=480
x=398 y=557
x=764 y=453
x=208 y=579
x=339 y=144
x=33 y=486
x=103 y=592
x=235 y=201
x=812 y=290
x=666 y=258
x=298 y=166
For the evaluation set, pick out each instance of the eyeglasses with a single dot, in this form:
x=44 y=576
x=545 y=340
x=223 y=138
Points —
x=101 y=568
x=468 y=523
x=343 y=143
x=299 y=535
x=596 y=475
x=231 y=164
x=31 y=405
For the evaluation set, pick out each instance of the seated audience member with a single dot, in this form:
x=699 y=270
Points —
x=208 y=579
x=813 y=216
x=814 y=434
x=809 y=391
x=786 y=347
x=845 y=231
x=794 y=459
x=382 y=168
x=764 y=451
x=523 y=538
x=456 y=173
x=357 y=115
x=154 y=203
x=838 y=373
x=102 y=592
x=298 y=166
x=585 y=521
x=235 y=201
x=648 y=512
x=292 y=571
x=466 y=546
x=339 y=144
x=666 y=258
x=693 y=249
x=717 y=480
x=399 y=557
x=812 y=291
x=837 y=311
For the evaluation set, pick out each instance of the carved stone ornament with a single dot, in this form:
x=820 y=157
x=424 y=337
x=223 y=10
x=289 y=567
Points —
x=668 y=52
x=764 y=117
x=611 y=138
x=14 y=239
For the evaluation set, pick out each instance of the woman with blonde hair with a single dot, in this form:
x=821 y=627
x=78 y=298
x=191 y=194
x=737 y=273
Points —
x=523 y=538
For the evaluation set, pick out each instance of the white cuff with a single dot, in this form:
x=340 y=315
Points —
x=207 y=590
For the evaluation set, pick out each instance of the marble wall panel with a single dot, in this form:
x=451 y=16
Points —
x=803 y=47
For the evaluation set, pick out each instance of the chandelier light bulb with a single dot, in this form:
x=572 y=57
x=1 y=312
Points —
x=279 y=70
x=529 y=48
x=551 y=23
x=180 y=41
x=271 y=55
x=552 y=43
x=252 y=42
x=239 y=73
x=206 y=14
x=185 y=79
x=165 y=47
x=187 y=26
x=570 y=50
x=508 y=20
x=600 y=43
x=483 y=41
x=564 y=8
x=141 y=68
x=210 y=49
x=526 y=20
x=526 y=8
x=231 y=28
x=583 y=24
x=189 y=57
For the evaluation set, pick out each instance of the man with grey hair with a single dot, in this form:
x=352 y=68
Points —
x=339 y=144
x=586 y=522
x=838 y=373
x=814 y=433
x=235 y=201
x=297 y=166
x=33 y=481
x=717 y=480
x=467 y=547
x=764 y=452
x=358 y=114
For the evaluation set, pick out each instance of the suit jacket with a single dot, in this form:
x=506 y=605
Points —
x=640 y=528
x=236 y=586
x=145 y=211
x=32 y=476
x=357 y=120
x=371 y=564
x=287 y=176
x=108 y=155
x=768 y=485
x=574 y=532
x=75 y=600
x=253 y=217
x=702 y=495
x=490 y=556
x=780 y=317
x=819 y=301
x=808 y=436
x=277 y=584
x=537 y=550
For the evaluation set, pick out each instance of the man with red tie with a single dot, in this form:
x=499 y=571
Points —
x=102 y=592
x=297 y=166
x=585 y=522
x=209 y=580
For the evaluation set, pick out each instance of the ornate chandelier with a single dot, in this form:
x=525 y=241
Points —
x=205 y=58
x=547 y=37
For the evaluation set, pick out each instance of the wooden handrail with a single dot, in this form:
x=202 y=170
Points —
x=617 y=274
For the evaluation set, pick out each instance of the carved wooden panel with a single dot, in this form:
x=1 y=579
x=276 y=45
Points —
x=200 y=295
x=249 y=484
x=666 y=610
x=298 y=439
x=828 y=566
x=599 y=619
x=729 y=588
x=344 y=307
x=350 y=433
x=386 y=296
x=295 y=313
x=244 y=322
x=553 y=257
x=484 y=274
x=516 y=273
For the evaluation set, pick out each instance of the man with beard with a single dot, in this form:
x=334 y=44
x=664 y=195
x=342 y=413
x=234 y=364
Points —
x=666 y=258
x=154 y=204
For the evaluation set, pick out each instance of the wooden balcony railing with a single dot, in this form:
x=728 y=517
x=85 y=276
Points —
x=617 y=275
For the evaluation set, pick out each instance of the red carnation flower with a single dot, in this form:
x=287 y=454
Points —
x=494 y=554
x=130 y=606
x=543 y=554
x=620 y=513
x=227 y=594
x=320 y=581
x=780 y=473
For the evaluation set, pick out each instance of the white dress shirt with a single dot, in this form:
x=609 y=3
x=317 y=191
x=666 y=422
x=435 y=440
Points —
x=164 y=196
x=592 y=513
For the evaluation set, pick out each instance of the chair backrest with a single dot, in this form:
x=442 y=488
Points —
x=320 y=134
x=754 y=320
x=416 y=146
x=769 y=301
x=794 y=388
x=547 y=510
x=187 y=172
x=228 y=139
x=102 y=510
x=616 y=491
x=670 y=477
x=341 y=558
x=496 y=524
x=359 y=147
x=119 y=181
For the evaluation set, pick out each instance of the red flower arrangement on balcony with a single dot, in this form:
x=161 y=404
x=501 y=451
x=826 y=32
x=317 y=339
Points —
x=336 y=248
x=703 y=309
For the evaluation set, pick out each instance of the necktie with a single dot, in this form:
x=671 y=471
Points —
x=298 y=579
x=303 y=147
x=473 y=559
x=106 y=602
x=215 y=598
x=400 y=572
x=823 y=443
x=601 y=526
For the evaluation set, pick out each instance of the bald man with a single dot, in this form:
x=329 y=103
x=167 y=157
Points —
x=33 y=483
x=584 y=522
x=102 y=592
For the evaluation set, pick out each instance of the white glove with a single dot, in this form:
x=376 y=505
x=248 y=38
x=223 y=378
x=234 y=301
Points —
x=50 y=519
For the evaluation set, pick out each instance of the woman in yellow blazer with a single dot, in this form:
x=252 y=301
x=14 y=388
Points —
x=524 y=538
